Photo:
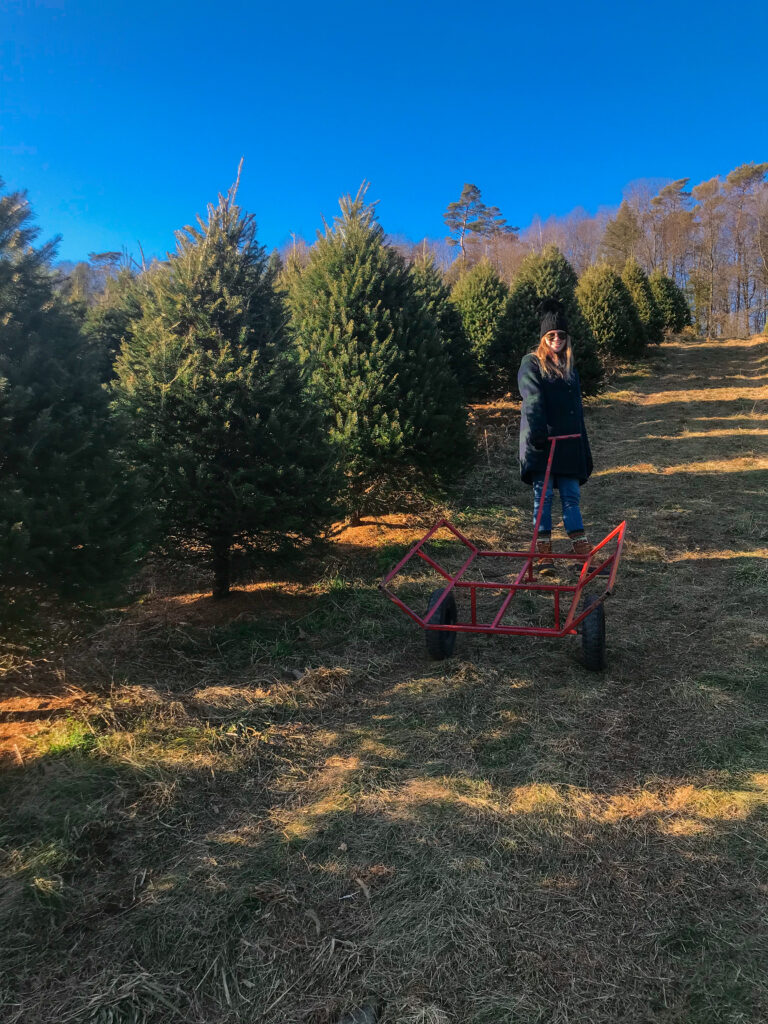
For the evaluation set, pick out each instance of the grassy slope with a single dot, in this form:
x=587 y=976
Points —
x=502 y=837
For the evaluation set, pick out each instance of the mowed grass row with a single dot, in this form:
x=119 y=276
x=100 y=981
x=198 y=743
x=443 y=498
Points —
x=292 y=815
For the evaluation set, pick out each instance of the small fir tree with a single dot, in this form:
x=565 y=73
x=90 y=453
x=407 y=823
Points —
x=216 y=398
x=608 y=309
x=435 y=296
x=481 y=298
x=376 y=357
x=524 y=320
x=68 y=505
x=111 y=319
x=672 y=304
x=641 y=293
x=542 y=275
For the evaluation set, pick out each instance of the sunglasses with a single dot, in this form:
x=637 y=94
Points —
x=552 y=335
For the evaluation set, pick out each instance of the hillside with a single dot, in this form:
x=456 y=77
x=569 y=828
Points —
x=278 y=810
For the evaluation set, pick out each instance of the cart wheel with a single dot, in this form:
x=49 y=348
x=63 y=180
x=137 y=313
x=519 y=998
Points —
x=440 y=645
x=593 y=636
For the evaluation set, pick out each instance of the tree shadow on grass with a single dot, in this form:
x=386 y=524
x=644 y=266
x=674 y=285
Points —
x=452 y=890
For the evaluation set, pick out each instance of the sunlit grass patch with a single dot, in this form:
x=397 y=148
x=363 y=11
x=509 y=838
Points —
x=66 y=736
x=306 y=822
x=436 y=798
x=718 y=466
x=637 y=551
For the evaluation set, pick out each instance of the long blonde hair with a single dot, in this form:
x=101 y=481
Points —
x=553 y=365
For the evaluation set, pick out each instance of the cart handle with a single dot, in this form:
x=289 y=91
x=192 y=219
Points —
x=552 y=442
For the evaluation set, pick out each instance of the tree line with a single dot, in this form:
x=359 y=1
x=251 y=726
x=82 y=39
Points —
x=711 y=239
x=227 y=399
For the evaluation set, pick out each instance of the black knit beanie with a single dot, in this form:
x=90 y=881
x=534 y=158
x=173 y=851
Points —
x=552 y=317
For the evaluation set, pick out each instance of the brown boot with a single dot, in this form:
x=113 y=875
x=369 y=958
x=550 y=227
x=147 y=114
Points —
x=546 y=564
x=581 y=545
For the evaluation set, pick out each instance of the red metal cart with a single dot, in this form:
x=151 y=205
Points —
x=574 y=610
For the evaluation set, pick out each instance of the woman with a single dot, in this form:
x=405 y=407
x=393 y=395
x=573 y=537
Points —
x=551 y=392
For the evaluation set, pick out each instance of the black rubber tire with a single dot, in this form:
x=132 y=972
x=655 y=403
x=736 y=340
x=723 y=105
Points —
x=593 y=635
x=440 y=645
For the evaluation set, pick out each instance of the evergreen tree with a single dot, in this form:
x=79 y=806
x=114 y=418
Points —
x=81 y=284
x=672 y=304
x=542 y=275
x=216 y=398
x=67 y=504
x=622 y=236
x=524 y=323
x=608 y=309
x=636 y=280
x=481 y=298
x=376 y=357
x=469 y=219
x=111 y=319
x=436 y=299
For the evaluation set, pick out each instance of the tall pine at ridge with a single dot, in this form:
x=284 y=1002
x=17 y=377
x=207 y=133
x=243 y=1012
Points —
x=378 y=366
x=216 y=398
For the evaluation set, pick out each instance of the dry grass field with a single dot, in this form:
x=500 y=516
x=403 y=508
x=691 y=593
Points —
x=278 y=810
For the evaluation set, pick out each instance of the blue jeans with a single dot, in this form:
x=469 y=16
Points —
x=569 y=499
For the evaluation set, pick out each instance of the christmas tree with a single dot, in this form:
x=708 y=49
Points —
x=110 y=319
x=636 y=280
x=68 y=514
x=481 y=298
x=608 y=308
x=435 y=296
x=673 y=306
x=378 y=366
x=622 y=236
x=542 y=275
x=216 y=398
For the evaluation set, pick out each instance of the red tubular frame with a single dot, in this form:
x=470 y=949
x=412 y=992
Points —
x=587 y=575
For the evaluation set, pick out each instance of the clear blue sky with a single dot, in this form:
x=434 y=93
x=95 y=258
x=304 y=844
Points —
x=123 y=119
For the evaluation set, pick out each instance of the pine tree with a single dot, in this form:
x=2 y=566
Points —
x=481 y=298
x=435 y=296
x=376 y=357
x=110 y=320
x=524 y=323
x=608 y=309
x=672 y=304
x=542 y=275
x=622 y=236
x=216 y=399
x=636 y=280
x=68 y=508
x=470 y=219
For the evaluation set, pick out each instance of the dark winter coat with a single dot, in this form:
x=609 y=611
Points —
x=551 y=405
